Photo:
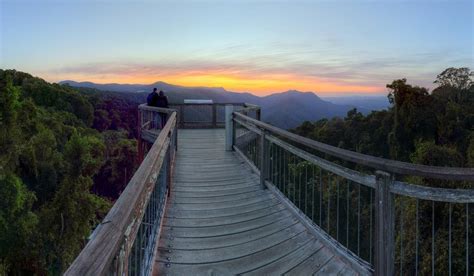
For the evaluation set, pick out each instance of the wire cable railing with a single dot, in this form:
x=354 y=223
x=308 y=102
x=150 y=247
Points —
x=383 y=219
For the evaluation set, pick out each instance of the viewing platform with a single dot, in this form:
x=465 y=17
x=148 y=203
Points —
x=219 y=192
x=219 y=220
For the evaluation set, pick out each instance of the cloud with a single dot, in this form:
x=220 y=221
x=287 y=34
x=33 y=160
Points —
x=263 y=70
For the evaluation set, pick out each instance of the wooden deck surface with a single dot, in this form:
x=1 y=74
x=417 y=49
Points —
x=220 y=222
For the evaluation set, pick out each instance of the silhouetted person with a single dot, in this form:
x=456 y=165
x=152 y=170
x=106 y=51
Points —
x=162 y=101
x=152 y=99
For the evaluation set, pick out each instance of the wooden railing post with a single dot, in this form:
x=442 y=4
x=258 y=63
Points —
x=384 y=225
x=167 y=160
x=140 y=145
x=258 y=114
x=229 y=127
x=263 y=159
x=214 y=115
x=234 y=131
x=181 y=116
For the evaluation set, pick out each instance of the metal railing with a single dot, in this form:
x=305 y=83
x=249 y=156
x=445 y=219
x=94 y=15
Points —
x=197 y=115
x=377 y=213
x=125 y=241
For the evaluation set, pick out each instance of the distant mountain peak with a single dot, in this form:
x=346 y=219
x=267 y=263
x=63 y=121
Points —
x=158 y=83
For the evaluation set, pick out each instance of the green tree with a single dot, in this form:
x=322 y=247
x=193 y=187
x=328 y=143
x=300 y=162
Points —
x=17 y=222
x=70 y=216
x=9 y=104
x=458 y=78
x=414 y=118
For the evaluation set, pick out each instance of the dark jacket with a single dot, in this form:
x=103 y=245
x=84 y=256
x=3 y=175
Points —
x=162 y=101
x=156 y=100
x=152 y=98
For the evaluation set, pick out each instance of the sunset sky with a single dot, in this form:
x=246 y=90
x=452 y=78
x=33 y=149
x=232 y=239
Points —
x=329 y=47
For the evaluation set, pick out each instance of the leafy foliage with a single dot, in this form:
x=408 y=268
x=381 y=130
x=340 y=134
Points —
x=445 y=117
x=435 y=129
x=55 y=148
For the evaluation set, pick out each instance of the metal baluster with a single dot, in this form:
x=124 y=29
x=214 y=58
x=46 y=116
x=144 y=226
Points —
x=358 y=220
x=401 y=235
x=416 y=238
x=249 y=150
x=273 y=163
x=467 y=238
x=432 y=239
x=320 y=199
x=270 y=161
x=314 y=199
x=280 y=172
x=299 y=185
x=287 y=174
x=337 y=211
x=140 y=251
x=294 y=181
x=370 y=227
x=449 y=238
x=329 y=202
x=285 y=184
x=254 y=152
x=306 y=189
x=347 y=213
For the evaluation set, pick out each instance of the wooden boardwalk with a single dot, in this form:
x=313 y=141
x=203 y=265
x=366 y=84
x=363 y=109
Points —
x=219 y=221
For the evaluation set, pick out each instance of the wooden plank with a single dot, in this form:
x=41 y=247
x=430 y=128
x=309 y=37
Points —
x=229 y=192
x=295 y=233
x=226 y=220
x=226 y=230
x=220 y=212
x=217 y=205
x=214 y=184
x=313 y=263
x=331 y=268
x=252 y=260
x=215 y=199
x=186 y=243
x=289 y=261
x=180 y=188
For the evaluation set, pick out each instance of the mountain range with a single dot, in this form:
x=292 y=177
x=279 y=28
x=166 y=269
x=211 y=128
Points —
x=286 y=109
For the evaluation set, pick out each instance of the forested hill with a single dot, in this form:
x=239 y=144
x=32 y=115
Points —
x=285 y=110
x=64 y=157
x=434 y=128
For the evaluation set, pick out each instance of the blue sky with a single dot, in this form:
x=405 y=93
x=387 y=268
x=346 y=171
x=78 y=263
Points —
x=331 y=47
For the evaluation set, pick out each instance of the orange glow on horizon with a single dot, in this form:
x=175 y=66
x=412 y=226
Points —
x=260 y=85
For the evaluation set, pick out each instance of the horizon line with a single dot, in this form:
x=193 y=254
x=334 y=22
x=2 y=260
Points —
x=320 y=93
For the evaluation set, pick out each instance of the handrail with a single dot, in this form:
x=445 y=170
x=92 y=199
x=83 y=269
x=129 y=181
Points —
x=203 y=115
x=156 y=109
x=117 y=232
x=392 y=166
x=285 y=169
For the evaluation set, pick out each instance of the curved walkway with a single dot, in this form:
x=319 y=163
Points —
x=220 y=222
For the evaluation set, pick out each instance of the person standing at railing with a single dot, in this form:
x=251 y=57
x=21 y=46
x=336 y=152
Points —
x=152 y=100
x=162 y=101
x=158 y=100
